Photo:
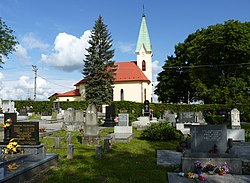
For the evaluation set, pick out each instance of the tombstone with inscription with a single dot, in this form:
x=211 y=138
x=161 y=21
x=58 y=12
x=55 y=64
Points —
x=206 y=137
x=73 y=119
x=110 y=116
x=91 y=131
x=209 y=144
x=123 y=132
x=187 y=117
x=235 y=118
x=123 y=119
x=146 y=108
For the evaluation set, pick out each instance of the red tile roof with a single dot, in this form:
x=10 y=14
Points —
x=126 y=71
x=129 y=71
x=70 y=93
x=83 y=81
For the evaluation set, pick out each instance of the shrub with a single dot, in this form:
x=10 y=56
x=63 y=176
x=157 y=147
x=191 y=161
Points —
x=247 y=135
x=161 y=132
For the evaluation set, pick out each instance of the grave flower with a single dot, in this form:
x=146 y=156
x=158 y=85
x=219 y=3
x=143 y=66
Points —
x=12 y=147
x=209 y=168
x=198 y=167
x=222 y=169
x=7 y=123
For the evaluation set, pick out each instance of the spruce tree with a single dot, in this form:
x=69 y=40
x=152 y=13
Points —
x=98 y=67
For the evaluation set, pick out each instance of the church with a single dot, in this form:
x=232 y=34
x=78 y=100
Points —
x=133 y=79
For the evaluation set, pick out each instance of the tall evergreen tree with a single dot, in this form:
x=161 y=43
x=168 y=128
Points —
x=98 y=67
x=7 y=40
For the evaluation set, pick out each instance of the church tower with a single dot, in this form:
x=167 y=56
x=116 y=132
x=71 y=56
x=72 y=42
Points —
x=144 y=55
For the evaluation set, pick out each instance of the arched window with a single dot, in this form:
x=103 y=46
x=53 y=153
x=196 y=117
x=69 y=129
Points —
x=122 y=95
x=145 y=94
x=143 y=65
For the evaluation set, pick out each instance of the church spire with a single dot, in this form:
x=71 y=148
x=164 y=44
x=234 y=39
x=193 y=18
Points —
x=143 y=38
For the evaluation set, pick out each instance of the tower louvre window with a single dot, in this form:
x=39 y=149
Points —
x=143 y=65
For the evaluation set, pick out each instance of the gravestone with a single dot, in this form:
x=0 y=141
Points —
x=169 y=116
x=187 y=117
x=204 y=138
x=12 y=116
x=91 y=131
x=110 y=116
x=73 y=119
x=209 y=144
x=26 y=133
x=146 y=108
x=123 y=119
x=123 y=132
x=235 y=118
x=23 y=112
x=8 y=131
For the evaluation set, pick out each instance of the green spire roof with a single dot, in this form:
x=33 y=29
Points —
x=143 y=38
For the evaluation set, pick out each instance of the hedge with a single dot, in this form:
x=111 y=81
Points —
x=135 y=109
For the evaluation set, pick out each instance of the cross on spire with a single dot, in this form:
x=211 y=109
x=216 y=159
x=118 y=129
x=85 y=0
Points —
x=143 y=11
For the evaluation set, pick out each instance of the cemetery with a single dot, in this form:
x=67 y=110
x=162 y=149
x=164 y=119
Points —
x=186 y=148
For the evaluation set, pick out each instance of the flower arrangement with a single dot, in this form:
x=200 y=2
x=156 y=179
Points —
x=7 y=123
x=210 y=169
x=12 y=147
x=198 y=167
x=222 y=169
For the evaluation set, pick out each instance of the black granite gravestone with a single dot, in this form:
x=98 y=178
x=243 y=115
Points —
x=12 y=116
x=146 y=108
x=110 y=116
x=7 y=131
x=26 y=133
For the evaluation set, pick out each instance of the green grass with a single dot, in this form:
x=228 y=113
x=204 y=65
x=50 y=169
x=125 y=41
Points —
x=132 y=162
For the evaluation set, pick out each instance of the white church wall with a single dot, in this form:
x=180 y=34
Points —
x=133 y=91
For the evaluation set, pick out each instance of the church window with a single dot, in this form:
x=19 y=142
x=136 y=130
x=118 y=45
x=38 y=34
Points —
x=145 y=94
x=122 y=95
x=143 y=65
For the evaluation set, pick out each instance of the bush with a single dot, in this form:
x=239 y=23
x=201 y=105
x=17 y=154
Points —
x=247 y=135
x=161 y=132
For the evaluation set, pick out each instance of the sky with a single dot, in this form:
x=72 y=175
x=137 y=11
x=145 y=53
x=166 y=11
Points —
x=53 y=35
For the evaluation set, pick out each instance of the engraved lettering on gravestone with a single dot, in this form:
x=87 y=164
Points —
x=212 y=135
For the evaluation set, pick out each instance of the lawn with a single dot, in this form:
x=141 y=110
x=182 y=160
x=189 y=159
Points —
x=126 y=163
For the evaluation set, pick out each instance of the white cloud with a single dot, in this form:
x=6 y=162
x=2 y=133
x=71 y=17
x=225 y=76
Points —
x=68 y=52
x=126 y=47
x=30 y=41
x=21 y=54
x=155 y=66
x=23 y=88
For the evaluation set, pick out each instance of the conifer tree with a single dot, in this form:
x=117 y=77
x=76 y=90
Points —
x=98 y=67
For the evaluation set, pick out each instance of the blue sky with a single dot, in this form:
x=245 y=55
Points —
x=53 y=36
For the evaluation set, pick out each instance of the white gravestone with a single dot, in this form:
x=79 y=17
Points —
x=235 y=118
x=91 y=124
